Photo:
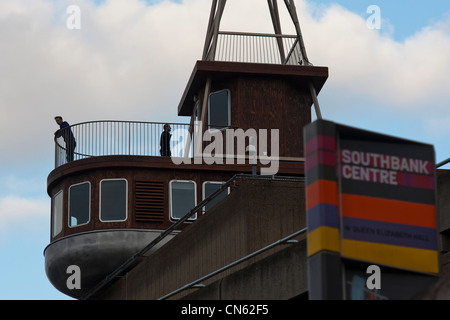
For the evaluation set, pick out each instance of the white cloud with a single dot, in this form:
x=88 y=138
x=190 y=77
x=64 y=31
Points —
x=19 y=210
x=404 y=75
x=132 y=61
x=128 y=61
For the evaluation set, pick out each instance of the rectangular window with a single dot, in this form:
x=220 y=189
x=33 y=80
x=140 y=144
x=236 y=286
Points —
x=209 y=187
x=79 y=204
x=219 y=109
x=57 y=211
x=182 y=198
x=113 y=200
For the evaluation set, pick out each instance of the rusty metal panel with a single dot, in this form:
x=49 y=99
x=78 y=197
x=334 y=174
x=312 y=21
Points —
x=149 y=201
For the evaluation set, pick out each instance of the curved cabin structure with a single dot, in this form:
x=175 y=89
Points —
x=247 y=115
x=105 y=208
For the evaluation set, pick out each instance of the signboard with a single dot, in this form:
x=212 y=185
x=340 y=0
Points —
x=370 y=198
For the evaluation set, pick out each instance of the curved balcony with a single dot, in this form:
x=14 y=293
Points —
x=110 y=137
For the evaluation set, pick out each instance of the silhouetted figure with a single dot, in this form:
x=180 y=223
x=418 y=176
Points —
x=165 y=141
x=67 y=134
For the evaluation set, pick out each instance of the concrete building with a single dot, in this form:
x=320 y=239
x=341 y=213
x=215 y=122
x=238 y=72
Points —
x=212 y=221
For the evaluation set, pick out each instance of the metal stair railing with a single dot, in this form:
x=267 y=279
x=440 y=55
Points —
x=195 y=284
x=133 y=259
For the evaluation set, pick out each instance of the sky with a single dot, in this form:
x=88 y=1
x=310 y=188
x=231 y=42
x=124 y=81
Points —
x=131 y=60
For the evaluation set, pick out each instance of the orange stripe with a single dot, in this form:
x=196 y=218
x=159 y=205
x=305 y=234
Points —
x=321 y=191
x=393 y=211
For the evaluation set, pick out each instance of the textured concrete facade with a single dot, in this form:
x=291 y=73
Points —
x=255 y=215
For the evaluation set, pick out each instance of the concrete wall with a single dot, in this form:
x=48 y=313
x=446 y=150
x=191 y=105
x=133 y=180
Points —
x=441 y=290
x=281 y=276
x=255 y=215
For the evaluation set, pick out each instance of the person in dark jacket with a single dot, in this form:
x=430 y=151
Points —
x=165 y=141
x=67 y=134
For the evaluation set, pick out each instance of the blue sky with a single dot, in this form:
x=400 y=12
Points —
x=392 y=80
x=407 y=16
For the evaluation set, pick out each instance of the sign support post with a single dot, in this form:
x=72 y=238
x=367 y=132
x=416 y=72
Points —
x=371 y=205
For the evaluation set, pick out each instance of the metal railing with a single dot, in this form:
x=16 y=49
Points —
x=258 y=48
x=109 y=137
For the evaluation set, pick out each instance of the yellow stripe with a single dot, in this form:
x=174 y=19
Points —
x=323 y=238
x=421 y=260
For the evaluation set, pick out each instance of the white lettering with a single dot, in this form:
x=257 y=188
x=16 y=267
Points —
x=384 y=161
x=374 y=281
x=214 y=151
x=346 y=158
x=374 y=21
x=395 y=163
x=273 y=159
x=177 y=137
x=193 y=310
x=369 y=174
x=74 y=20
x=423 y=167
x=405 y=165
x=215 y=147
x=74 y=281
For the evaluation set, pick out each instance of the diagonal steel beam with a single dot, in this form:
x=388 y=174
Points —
x=293 y=13
x=212 y=34
x=274 y=13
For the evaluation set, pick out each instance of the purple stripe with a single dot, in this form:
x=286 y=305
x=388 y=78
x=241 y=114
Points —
x=389 y=233
x=322 y=215
x=415 y=180
x=408 y=179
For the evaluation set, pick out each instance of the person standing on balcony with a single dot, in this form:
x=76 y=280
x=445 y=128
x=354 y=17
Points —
x=67 y=134
x=165 y=141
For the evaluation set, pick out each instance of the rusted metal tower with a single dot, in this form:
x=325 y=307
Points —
x=277 y=48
